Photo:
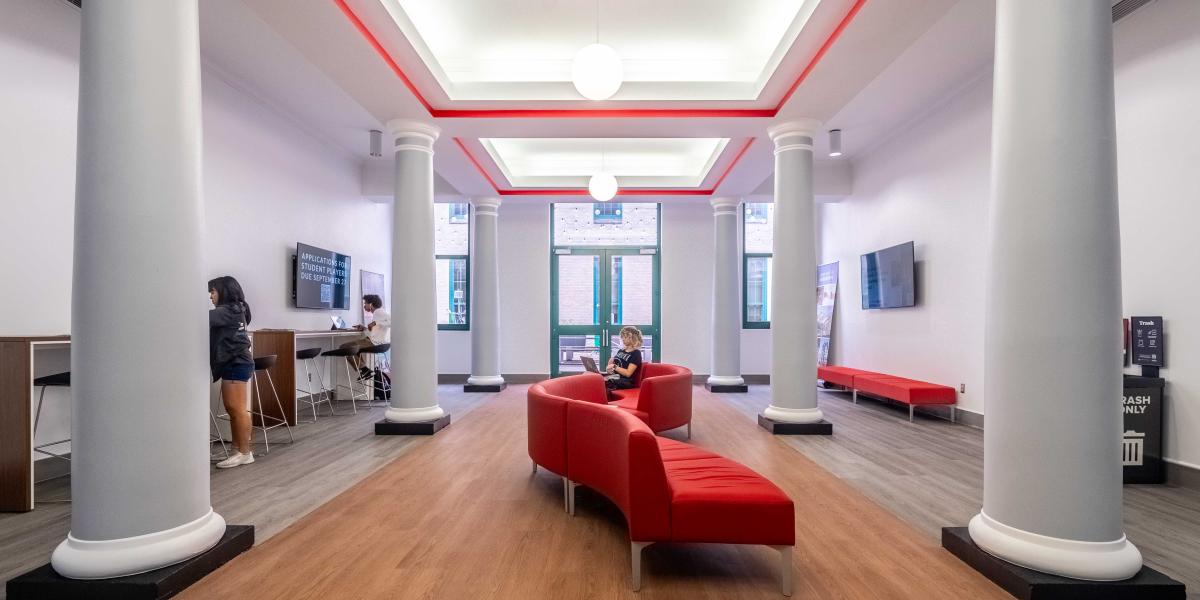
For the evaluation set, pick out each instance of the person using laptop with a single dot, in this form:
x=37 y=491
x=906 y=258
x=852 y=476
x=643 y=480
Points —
x=379 y=331
x=626 y=361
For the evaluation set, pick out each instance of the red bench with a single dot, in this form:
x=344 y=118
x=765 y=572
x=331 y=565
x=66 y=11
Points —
x=669 y=491
x=909 y=391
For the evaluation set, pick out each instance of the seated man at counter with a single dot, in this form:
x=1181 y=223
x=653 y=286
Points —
x=379 y=331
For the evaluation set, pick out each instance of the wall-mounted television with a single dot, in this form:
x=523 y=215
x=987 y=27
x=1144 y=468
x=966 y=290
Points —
x=321 y=278
x=887 y=278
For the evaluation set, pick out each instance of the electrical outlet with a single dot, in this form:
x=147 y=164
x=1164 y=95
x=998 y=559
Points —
x=962 y=388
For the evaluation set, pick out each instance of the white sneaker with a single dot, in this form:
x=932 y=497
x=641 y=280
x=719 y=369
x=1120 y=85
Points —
x=238 y=459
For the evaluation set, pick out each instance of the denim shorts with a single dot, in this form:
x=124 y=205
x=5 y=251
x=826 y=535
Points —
x=237 y=372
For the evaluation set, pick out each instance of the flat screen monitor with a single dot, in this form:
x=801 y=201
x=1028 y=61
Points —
x=322 y=278
x=887 y=278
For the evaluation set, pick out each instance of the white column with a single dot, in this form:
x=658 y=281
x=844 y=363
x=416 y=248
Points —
x=485 y=295
x=794 y=276
x=727 y=313
x=414 y=289
x=139 y=471
x=1052 y=346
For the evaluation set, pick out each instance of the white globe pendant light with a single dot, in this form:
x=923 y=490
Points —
x=603 y=186
x=597 y=72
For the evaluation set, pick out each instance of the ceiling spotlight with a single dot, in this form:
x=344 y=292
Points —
x=602 y=186
x=835 y=143
x=597 y=72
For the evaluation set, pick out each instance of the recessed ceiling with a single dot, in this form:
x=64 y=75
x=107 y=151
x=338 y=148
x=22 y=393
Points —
x=636 y=162
x=506 y=50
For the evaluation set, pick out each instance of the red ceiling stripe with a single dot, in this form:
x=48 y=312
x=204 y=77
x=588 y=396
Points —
x=598 y=113
x=620 y=192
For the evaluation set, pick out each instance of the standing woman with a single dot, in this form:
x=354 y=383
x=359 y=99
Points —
x=231 y=362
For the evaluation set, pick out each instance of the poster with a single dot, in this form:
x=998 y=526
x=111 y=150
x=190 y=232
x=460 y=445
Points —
x=827 y=278
x=1147 y=334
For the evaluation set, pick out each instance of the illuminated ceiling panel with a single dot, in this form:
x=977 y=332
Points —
x=636 y=162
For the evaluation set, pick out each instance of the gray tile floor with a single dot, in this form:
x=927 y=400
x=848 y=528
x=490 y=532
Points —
x=930 y=473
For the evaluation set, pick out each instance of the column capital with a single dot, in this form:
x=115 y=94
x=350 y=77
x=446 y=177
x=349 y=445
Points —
x=413 y=135
x=486 y=202
x=722 y=205
x=790 y=135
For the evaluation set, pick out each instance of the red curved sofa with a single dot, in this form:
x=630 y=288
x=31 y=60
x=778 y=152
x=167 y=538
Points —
x=669 y=491
x=662 y=398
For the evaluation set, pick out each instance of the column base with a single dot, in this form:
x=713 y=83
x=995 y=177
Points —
x=785 y=428
x=1094 y=561
x=386 y=427
x=726 y=385
x=484 y=383
x=44 y=583
x=1027 y=584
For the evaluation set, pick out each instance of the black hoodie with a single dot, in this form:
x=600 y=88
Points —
x=228 y=342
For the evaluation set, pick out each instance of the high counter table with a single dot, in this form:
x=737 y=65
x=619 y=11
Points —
x=19 y=367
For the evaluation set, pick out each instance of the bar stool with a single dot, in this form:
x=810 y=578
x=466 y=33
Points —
x=306 y=356
x=56 y=380
x=376 y=356
x=262 y=363
x=346 y=353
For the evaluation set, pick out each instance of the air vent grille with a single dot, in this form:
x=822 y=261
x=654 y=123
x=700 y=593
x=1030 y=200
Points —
x=1124 y=8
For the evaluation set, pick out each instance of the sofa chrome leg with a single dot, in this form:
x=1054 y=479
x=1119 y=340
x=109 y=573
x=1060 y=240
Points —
x=534 y=467
x=571 y=485
x=951 y=415
x=566 y=495
x=689 y=431
x=854 y=396
x=910 y=413
x=785 y=569
x=635 y=552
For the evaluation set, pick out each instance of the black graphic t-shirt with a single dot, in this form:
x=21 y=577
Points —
x=623 y=358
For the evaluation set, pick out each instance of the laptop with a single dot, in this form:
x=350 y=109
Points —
x=338 y=322
x=590 y=365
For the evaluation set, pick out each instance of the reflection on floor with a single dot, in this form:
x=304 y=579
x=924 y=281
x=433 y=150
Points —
x=460 y=516
x=930 y=473
x=280 y=487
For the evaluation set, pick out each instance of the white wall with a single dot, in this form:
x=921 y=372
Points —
x=931 y=184
x=267 y=185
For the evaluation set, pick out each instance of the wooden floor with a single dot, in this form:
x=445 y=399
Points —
x=930 y=473
x=327 y=458
x=460 y=516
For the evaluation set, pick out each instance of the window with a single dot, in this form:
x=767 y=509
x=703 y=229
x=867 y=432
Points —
x=757 y=223
x=606 y=214
x=452 y=245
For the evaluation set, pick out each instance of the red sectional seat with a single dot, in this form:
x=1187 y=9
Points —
x=546 y=405
x=909 y=391
x=663 y=398
x=671 y=491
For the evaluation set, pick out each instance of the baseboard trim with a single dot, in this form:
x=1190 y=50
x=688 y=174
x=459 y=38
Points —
x=1182 y=474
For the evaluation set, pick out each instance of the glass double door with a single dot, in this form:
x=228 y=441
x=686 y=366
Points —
x=594 y=292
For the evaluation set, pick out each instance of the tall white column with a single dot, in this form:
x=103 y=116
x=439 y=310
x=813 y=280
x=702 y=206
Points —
x=1052 y=347
x=414 y=288
x=139 y=470
x=794 y=276
x=726 y=309
x=485 y=298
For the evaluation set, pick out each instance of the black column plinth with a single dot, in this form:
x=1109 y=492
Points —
x=780 y=428
x=1027 y=584
x=43 y=583
x=386 y=427
x=471 y=388
x=727 y=389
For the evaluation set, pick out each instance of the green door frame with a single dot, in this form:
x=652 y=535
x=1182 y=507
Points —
x=604 y=256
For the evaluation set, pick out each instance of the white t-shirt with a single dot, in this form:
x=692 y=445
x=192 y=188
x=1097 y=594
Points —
x=382 y=332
